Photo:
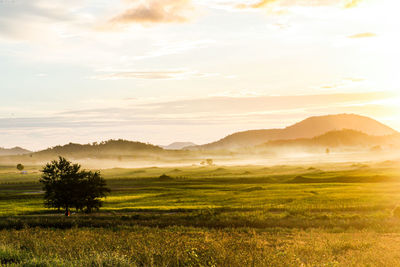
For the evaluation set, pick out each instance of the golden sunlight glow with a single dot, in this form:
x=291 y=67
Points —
x=210 y=133
x=155 y=52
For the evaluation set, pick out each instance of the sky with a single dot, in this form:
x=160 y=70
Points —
x=159 y=71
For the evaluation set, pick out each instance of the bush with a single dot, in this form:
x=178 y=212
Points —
x=165 y=177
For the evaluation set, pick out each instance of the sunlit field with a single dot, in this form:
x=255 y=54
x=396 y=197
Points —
x=220 y=133
x=320 y=215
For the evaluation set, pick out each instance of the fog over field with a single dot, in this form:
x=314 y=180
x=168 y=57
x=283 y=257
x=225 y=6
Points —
x=332 y=138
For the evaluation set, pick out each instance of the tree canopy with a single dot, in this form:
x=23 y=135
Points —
x=67 y=186
x=20 y=167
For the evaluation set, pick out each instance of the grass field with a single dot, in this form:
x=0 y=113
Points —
x=321 y=215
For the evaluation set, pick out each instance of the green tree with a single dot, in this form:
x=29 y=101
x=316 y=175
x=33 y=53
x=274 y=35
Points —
x=66 y=186
x=20 y=167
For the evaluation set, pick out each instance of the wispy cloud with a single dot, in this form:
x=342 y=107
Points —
x=260 y=104
x=345 y=83
x=164 y=48
x=353 y=3
x=362 y=35
x=221 y=111
x=259 y=4
x=152 y=75
x=289 y=3
x=155 y=11
x=218 y=110
x=26 y=20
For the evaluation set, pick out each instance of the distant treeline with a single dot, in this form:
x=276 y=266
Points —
x=118 y=147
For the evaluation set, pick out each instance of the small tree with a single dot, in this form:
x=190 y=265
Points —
x=67 y=186
x=20 y=167
x=209 y=162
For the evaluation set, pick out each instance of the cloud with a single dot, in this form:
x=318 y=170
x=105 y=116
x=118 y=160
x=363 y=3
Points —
x=165 y=48
x=152 y=75
x=353 y=79
x=25 y=19
x=205 y=119
x=352 y=3
x=217 y=109
x=362 y=35
x=345 y=83
x=289 y=3
x=260 y=4
x=155 y=11
x=205 y=111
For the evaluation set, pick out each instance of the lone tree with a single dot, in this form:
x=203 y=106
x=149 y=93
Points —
x=66 y=186
x=20 y=167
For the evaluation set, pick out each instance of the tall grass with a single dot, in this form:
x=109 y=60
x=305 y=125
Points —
x=176 y=246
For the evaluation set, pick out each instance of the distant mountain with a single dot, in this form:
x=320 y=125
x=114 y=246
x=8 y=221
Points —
x=179 y=145
x=334 y=139
x=13 y=151
x=308 y=128
x=104 y=149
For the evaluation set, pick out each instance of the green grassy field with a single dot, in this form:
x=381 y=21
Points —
x=321 y=215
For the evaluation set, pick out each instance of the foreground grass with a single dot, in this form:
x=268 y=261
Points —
x=176 y=246
x=212 y=216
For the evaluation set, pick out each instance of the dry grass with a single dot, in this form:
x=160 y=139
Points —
x=177 y=246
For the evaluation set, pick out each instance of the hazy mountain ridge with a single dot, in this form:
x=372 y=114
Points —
x=178 y=145
x=308 y=128
x=322 y=132
x=342 y=138
x=13 y=151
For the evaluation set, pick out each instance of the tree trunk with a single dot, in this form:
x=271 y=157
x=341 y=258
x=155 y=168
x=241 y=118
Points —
x=67 y=212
